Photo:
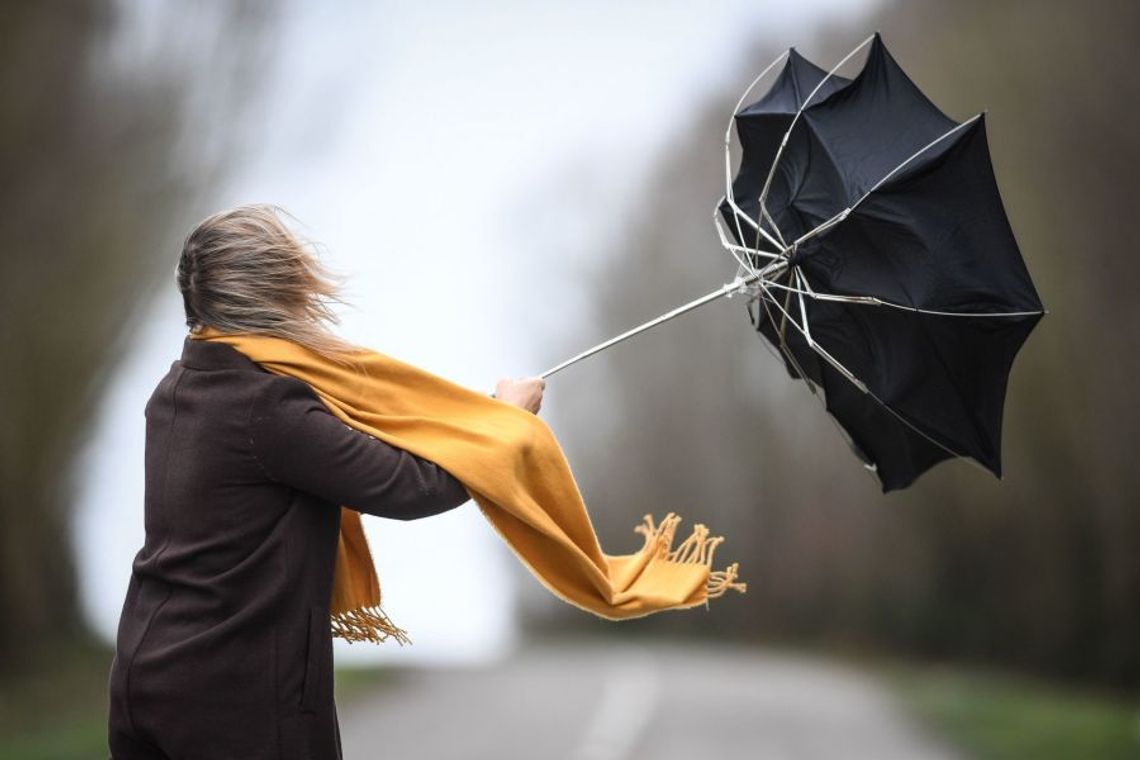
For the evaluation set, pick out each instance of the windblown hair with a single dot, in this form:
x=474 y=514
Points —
x=244 y=270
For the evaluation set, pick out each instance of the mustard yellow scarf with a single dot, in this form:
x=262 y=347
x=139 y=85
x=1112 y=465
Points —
x=514 y=469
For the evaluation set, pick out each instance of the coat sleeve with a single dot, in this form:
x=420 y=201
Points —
x=300 y=443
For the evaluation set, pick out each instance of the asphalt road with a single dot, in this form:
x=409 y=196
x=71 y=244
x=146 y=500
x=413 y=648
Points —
x=625 y=701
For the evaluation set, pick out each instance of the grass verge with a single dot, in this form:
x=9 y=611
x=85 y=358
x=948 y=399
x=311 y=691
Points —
x=999 y=717
x=59 y=711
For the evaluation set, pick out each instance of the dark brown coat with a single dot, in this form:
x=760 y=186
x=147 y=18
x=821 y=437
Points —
x=224 y=648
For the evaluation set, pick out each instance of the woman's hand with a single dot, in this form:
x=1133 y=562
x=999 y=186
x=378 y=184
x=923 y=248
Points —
x=525 y=393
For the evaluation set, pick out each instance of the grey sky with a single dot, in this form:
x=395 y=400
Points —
x=412 y=141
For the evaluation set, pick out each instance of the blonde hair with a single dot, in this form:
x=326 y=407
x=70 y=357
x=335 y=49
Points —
x=244 y=270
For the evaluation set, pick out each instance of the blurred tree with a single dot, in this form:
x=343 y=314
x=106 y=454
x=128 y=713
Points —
x=1040 y=570
x=113 y=124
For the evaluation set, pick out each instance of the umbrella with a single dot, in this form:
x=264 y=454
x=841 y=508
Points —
x=873 y=246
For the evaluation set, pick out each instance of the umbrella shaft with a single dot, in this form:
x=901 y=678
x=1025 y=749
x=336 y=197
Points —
x=719 y=293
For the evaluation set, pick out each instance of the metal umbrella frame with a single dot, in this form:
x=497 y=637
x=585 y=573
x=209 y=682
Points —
x=768 y=273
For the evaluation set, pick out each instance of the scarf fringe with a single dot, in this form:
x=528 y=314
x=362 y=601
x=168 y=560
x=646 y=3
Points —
x=698 y=548
x=367 y=624
x=721 y=581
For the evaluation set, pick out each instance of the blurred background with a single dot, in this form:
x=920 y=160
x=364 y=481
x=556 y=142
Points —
x=508 y=183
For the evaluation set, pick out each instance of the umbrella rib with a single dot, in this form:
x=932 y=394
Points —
x=796 y=118
x=775 y=227
x=842 y=215
x=787 y=351
x=729 y=197
x=862 y=386
x=918 y=153
x=936 y=442
x=875 y=301
x=784 y=319
x=803 y=308
x=731 y=248
x=742 y=264
x=936 y=313
x=815 y=346
x=728 y=130
x=811 y=386
x=869 y=468
x=738 y=214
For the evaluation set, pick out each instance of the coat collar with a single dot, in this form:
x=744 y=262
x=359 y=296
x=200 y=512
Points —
x=207 y=354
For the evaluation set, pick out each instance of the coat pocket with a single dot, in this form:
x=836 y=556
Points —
x=314 y=659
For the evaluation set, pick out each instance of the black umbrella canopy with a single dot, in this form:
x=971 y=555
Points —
x=909 y=305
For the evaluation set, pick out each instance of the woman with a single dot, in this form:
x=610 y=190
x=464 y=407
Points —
x=224 y=646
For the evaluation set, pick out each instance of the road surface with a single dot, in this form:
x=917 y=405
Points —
x=633 y=701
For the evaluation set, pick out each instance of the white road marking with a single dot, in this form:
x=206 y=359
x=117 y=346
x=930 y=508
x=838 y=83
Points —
x=630 y=695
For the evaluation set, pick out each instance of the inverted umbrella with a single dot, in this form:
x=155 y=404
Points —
x=872 y=242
